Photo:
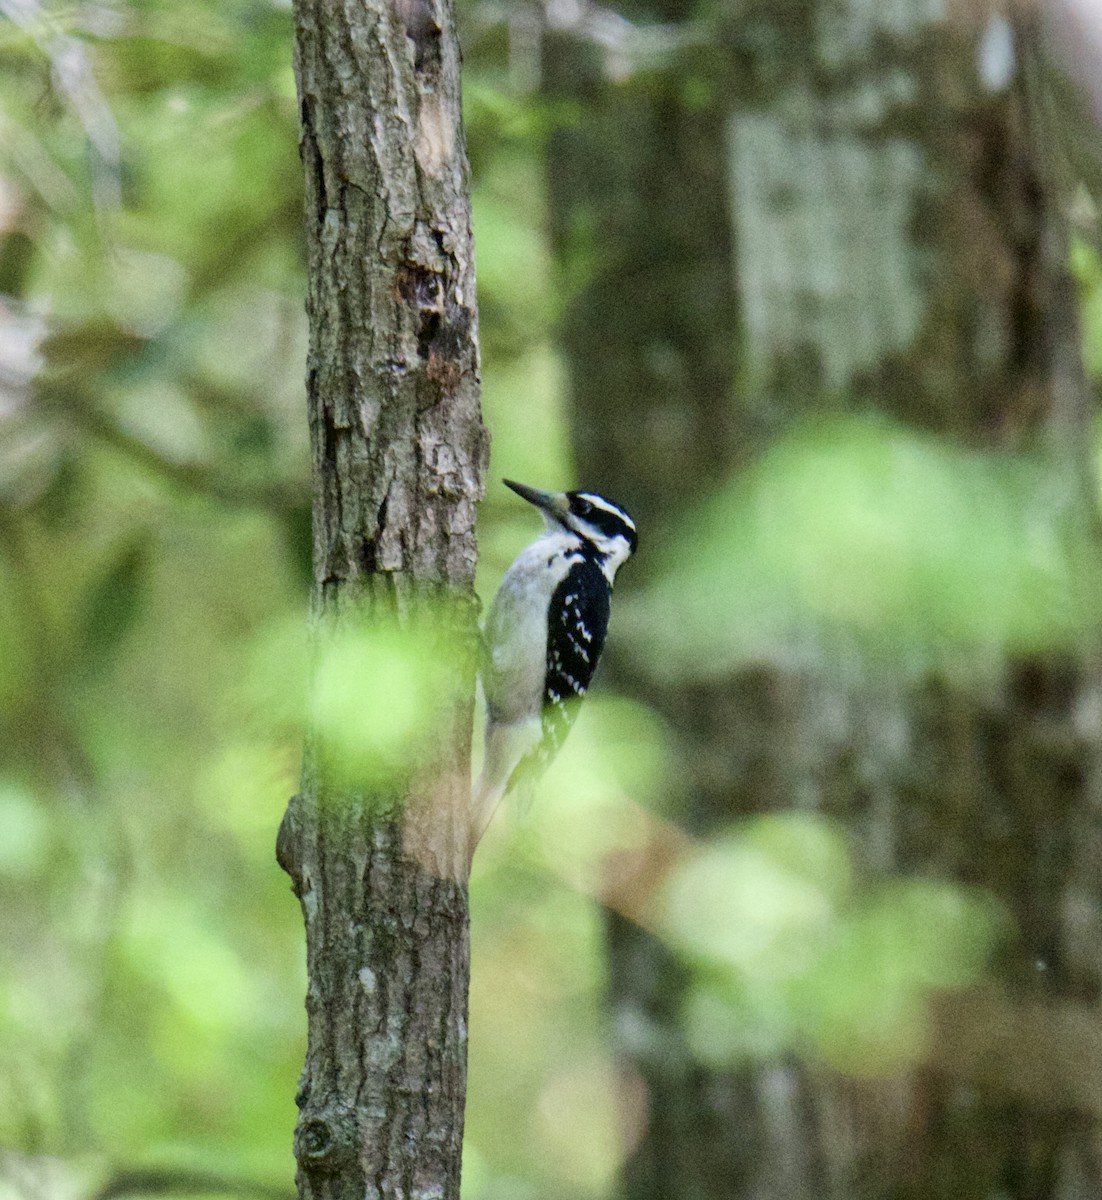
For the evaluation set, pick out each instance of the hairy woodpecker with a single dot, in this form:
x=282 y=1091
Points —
x=543 y=637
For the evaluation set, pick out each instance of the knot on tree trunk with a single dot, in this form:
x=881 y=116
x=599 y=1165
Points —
x=327 y=1141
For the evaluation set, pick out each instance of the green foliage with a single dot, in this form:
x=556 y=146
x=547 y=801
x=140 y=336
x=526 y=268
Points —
x=794 y=955
x=855 y=542
x=374 y=705
x=113 y=603
x=150 y=486
x=154 y=559
x=154 y=673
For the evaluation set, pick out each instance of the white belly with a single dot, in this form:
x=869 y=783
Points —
x=516 y=628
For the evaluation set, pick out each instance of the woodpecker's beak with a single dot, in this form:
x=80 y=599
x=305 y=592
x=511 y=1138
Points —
x=554 y=504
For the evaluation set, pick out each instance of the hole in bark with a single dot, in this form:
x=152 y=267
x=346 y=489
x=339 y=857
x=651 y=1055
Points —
x=418 y=285
x=427 y=330
x=427 y=50
x=449 y=350
x=424 y=31
x=422 y=289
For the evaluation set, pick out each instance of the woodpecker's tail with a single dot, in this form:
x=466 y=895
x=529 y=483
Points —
x=485 y=797
x=506 y=745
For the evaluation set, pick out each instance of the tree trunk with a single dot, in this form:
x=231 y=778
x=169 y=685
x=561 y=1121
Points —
x=846 y=207
x=379 y=863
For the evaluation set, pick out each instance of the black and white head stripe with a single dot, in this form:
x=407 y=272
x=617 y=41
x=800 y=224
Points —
x=590 y=512
x=601 y=525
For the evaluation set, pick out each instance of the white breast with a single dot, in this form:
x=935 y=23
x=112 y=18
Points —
x=516 y=628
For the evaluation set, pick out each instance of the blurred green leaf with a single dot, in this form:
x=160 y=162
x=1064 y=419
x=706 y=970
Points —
x=115 y=600
x=763 y=902
x=859 y=538
x=373 y=704
x=790 y=954
x=25 y=844
x=865 y=1003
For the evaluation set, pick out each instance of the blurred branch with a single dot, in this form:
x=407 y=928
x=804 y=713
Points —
x=75 y=80
x=280 y=496
x=27 y=153
x=628 y=46
x=196 y=477
x=160 y=1182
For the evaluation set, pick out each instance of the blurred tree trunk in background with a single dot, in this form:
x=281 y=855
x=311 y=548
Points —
x=832 y=207
x=399 y=449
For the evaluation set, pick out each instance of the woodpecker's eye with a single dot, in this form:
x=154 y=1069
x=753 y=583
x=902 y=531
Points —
x=582 y=507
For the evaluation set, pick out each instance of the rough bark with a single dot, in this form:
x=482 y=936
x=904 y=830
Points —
x=893 y=245
x=398 y=455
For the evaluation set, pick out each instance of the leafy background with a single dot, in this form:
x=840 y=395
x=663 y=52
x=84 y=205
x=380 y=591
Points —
x=154 y=567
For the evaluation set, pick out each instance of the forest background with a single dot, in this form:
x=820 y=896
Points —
x=154 y=573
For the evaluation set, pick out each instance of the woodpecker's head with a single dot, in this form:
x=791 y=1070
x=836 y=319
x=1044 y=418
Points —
x=603 y=527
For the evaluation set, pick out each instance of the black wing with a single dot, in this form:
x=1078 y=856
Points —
x=577 y=622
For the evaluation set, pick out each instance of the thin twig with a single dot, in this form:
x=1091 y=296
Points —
x=153 y=1181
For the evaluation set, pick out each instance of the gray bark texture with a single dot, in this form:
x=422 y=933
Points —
x=399 y=450
x=836 y=206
